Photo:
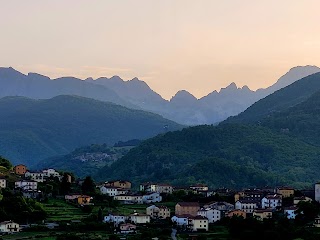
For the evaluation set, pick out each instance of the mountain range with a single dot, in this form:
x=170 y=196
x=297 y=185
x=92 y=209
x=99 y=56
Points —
x=183 y=108
x=274 y=142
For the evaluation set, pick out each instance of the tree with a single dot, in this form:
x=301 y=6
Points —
x=88 y=186
x=65 y=186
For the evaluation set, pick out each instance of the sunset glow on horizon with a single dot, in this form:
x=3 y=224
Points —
x=198 y=46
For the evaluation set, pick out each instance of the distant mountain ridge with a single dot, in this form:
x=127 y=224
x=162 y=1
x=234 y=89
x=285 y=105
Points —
x=32 y=130
x=183 y=108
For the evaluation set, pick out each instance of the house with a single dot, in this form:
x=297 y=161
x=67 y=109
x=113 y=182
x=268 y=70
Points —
x=113 y=191
x=35 y=176
x=139 y=218
x=187 y=208
x=290 y=212
x=271 y=201
x=156 y=187
x=3 y=182
x=296 y=200
x=199 y=187
x=285 y=191
x=129 y=199
x=119 y=184
x=158 y=212
x=181 y=220
x=84 y=200
x=115 y=218
x=211 y=214
x=152 y=198
x=26 y=185
x=34 y=194
x=50 y=172
x=20 y=169
x=261 y=214
x=246 y=205
x=9 y=227
x=71 y=197
x=253 y=195
x=127 y=228
x=316 y=222
x=223 y=207
x=198 y=223
x=238 y=213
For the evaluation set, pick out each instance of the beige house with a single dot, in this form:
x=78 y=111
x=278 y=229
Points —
x=198 y=223
x=3 y=183
x=285 y=191
x=296 y=200
x=238 y=213
x=139 y=218
x=261 y=214
x=9 y=227
x=157 y=212
x=191 y=208
x=119 y=184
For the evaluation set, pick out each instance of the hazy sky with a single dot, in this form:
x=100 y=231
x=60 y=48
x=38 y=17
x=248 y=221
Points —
x=196 y=45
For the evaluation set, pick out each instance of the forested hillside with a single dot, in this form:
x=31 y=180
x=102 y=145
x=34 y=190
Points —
x=32 y=130
x=280 y=100
x=228 y=155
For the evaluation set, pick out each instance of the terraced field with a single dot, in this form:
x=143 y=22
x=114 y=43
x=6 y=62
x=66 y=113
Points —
x=59 y=210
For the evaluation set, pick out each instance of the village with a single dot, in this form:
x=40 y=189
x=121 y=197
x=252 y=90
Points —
x=191 y=211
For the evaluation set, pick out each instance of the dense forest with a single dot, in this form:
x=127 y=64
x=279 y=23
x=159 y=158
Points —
x=280 y=100
x=228 y=155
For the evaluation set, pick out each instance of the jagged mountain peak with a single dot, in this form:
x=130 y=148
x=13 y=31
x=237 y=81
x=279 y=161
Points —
x=183 y=94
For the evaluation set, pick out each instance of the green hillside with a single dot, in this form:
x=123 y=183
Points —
x=85 y=161
x=228 y=155
x=32 y=130
x=302 y=120
x=280 y=100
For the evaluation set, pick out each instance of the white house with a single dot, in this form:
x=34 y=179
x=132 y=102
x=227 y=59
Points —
x=9 y=227
x=3 y=183
x=290 y=212
x=50 y=172
x=198 y=223
x=35 y=176
x=151 y=198
x=181 y=220
x=113 y=191
x=26 y=185
x=115 y=218
x=139 y=218
x=129 y=199
x=156 y=187
x=212 y=215
x=271 y=201
x=246 y=205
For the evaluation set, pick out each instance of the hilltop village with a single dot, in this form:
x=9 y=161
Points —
x=63 y=206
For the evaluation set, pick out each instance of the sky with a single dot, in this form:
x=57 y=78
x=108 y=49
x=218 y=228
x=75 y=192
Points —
x=194 y=45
